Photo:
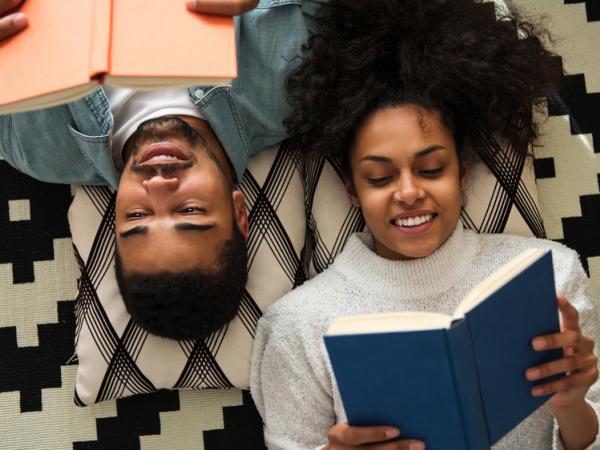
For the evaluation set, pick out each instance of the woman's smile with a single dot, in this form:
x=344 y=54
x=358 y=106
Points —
x=414 y=223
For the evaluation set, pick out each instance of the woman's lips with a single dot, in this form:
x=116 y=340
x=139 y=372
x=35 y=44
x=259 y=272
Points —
x=414 y=223
x=162 y=153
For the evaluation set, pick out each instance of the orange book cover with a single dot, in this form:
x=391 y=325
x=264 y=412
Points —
x=70 y=46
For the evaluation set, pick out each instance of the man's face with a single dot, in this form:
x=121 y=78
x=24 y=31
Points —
x=174 y=203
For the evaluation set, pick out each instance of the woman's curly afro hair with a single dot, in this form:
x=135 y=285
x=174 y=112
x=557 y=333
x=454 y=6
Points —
x=483 y=70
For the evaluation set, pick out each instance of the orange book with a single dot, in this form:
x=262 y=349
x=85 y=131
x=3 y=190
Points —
x=72 y=46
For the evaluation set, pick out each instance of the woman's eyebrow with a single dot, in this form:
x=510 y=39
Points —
x=428 y=150
x=419 y=154
x=376 y=158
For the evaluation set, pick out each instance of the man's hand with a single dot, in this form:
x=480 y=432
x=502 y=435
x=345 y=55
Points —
x=221 y=7
x=11 y=23
x=344 y=437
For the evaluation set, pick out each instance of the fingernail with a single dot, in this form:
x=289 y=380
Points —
x=539 y=343
x=19 y=20
x=416 y=446
x=392 y=433
x=532 y=374
x=537 y=391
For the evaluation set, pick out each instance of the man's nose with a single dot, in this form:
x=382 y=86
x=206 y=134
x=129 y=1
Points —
x=159 y=185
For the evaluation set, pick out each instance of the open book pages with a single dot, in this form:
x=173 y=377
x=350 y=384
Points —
x=49 y=100
x=388 y=322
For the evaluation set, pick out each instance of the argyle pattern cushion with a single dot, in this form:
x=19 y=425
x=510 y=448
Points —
x=117 y=358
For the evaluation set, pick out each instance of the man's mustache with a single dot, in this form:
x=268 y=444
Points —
x=163 y=129
x=165 y=170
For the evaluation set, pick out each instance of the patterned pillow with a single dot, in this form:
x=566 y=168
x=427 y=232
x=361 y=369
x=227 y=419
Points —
x=493 y=203
x=117 y=358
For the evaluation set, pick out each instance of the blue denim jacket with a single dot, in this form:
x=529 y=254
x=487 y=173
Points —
x=71 y=143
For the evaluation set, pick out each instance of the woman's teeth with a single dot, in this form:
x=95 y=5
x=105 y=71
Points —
x=413 y=221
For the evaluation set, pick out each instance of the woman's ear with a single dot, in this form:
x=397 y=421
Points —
x=240 y=214
x=349 y=186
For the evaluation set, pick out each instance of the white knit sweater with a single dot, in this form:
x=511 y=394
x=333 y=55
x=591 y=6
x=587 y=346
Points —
x=291 y=380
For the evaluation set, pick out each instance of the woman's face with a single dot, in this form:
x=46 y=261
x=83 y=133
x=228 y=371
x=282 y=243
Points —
x=407 y=181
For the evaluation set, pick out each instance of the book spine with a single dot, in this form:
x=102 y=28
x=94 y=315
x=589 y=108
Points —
x=467 y=387
x=101 y=18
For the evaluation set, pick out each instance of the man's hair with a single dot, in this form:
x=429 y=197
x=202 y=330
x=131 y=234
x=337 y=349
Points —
x=189 y=304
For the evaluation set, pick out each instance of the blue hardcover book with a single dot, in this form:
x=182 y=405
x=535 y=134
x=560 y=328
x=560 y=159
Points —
x=455 y=382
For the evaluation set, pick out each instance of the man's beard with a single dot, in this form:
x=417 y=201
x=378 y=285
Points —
x=191 y=304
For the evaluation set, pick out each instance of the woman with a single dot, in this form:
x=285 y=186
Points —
x=402 y=92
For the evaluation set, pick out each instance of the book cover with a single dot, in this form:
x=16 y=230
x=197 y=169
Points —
x=461 y=386
x=71 y=46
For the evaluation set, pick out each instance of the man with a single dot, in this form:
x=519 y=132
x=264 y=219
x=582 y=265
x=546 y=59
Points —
x=174 y=157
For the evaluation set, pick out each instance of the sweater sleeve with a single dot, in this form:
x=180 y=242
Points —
x=577 y=290
x=290 y=385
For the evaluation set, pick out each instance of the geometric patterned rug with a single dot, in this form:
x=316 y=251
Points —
x=568 y=162
x=38 y=279
x=38 y=283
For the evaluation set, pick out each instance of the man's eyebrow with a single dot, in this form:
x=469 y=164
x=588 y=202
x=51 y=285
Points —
x=184 y=226
x=187 y=226
x=133 y=231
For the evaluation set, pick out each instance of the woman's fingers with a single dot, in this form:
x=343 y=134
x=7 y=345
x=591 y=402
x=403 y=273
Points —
x=582 y=378
x=353 y=436
x=567 y=338
x=570 y=316
x=564 y=365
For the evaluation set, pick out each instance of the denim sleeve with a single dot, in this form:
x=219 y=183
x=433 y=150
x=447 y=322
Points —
x=47 y=145
x=270 y=40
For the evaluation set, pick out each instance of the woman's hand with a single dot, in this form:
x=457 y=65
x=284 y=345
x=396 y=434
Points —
x=343 y=436
x=221 y=7
x=11 y=23
x=578 y=362
x=576 y=419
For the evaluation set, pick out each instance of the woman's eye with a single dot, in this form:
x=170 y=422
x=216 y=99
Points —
x=136 y=215
x=378 y=181
x=431 y=172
